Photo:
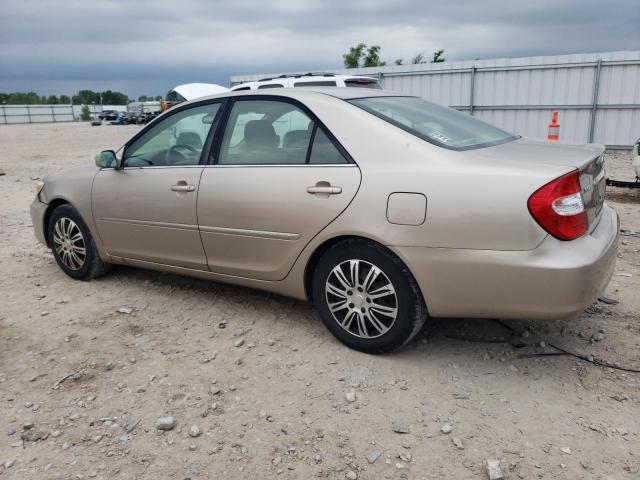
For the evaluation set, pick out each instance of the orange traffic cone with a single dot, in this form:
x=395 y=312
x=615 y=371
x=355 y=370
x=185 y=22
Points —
x=554 y=128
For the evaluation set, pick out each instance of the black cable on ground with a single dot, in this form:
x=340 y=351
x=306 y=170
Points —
x=567 y=352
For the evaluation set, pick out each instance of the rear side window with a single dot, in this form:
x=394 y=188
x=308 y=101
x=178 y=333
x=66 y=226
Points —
x=266 y=132
x=323 y=151
x=363 y=83
x=241 y=88
x=271 y=85
x=317 y=83
x=271 y=132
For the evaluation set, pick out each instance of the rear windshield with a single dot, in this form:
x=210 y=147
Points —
x=363 y=83
x=434 y=123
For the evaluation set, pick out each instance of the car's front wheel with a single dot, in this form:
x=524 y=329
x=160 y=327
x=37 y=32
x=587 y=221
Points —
x=367 y=297
x=73 y=246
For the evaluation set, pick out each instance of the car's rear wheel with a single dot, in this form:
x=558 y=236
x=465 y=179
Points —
x=73 y=246
x=367 y=297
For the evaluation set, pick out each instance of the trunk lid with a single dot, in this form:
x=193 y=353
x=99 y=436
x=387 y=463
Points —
x=586 y=157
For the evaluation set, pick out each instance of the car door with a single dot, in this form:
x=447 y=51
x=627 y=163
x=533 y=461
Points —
x=147 y=209
x=278 y=178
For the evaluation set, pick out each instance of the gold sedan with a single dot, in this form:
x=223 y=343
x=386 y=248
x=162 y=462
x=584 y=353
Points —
x=382 y=209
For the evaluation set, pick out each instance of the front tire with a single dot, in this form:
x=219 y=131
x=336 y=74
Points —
x=367 y=297
x=73 y=246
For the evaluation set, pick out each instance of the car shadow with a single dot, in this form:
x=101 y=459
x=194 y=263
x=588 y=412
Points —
x=466 y=339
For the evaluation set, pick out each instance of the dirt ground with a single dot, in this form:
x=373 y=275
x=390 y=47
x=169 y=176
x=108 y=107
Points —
x=272 y=394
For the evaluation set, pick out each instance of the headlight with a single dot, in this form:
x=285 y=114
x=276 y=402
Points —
x=39 y=186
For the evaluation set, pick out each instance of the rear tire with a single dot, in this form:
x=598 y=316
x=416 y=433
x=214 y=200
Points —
x=73 y=246
x=367 y=297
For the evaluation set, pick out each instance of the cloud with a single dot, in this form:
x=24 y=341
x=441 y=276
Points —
x=146 y=47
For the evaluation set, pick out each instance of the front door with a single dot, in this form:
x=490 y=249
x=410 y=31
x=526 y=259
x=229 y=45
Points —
x=277 y=180
x=147 y=209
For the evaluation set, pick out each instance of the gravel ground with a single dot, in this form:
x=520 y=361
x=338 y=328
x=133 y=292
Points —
x=257 y=388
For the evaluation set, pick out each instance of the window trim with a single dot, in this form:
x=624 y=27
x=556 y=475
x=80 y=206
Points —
x=214 y=154
x=169 y=113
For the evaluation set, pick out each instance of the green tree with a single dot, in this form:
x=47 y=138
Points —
x=418 y=58
x=21 y=98
x=85 y=113
x=398 y=61
x=438 y=56
x=52 y=100
x=352 y=58
x=4 y=97
x=86 y=97
x=114 y=98
x=372 y=59
x=157 y=98
x=65 y=99
x=143 y=98
x=370 y=56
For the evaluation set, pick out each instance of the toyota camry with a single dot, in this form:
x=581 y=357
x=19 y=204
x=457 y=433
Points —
x=381 y=209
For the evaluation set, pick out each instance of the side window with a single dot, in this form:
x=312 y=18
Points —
x=323 y=151
x=271 y=85
x=318 y=83
x=176 y=140
x=265 y=132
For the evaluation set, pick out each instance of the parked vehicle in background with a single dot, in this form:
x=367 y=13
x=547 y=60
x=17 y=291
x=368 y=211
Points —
x=310 y=80
x=635 y=164
x=108 y=115
x=380 y=208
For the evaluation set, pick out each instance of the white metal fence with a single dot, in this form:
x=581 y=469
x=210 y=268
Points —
x=49 y=113
x=597 y=95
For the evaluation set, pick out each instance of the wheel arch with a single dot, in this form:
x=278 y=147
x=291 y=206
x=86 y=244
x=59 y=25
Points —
x=314 y=258
x=55 y=203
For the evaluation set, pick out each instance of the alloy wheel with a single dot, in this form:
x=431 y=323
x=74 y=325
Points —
x=69 y=243
x=361 y=298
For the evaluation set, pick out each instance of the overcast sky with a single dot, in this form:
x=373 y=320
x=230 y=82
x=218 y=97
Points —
x=146 y=47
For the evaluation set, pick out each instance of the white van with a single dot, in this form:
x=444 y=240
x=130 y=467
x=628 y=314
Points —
x=310 y=80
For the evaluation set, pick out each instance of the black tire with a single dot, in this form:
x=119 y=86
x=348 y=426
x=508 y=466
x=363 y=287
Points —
x=92 y=266
x=411 y=311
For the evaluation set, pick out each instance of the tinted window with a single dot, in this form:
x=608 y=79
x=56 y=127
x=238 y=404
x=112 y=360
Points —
x=271 y=85
x=363 y=83
x=319 y=83
x=265 y=132
x=434 y=123
x=241 y=88
x=176 y=140
x=323 y=151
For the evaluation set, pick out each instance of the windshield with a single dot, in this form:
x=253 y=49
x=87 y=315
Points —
x=434 y=123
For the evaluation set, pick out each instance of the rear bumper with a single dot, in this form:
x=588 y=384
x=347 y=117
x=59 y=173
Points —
x=557 y=279
x=37 y=211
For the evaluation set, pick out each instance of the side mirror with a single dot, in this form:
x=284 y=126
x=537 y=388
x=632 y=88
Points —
x=107 y=159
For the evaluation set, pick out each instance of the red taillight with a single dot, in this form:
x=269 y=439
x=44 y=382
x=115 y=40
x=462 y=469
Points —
x=559 y=209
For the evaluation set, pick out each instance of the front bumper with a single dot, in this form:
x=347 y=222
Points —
x=555 y=280
x=38 y=210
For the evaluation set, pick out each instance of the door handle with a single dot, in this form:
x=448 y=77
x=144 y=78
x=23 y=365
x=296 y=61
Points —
x=327 y=190
x=182 y=188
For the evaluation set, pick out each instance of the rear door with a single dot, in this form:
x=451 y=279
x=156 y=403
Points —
x=278 y=177
x=147 y=210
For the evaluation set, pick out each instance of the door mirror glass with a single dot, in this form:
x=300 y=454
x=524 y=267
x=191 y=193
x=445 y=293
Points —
x=106 y=159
